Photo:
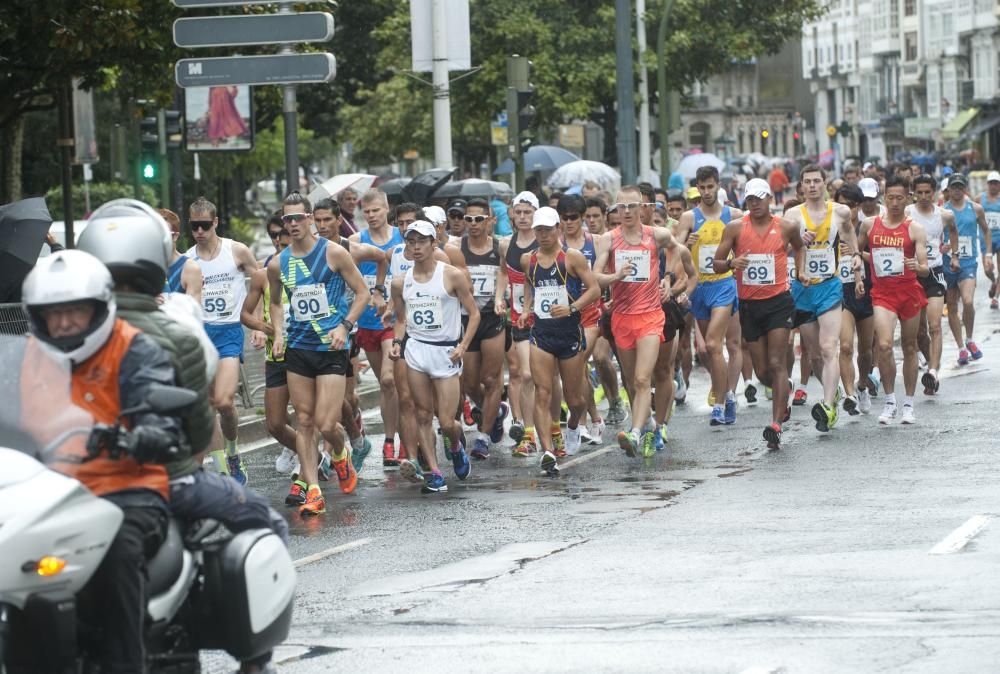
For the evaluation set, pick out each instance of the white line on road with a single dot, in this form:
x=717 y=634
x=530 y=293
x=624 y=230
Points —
x=587 y=457
x=330 y=552
x=958 y=539
x=763 y=670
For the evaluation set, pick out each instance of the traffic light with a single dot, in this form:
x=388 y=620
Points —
x=149 y=140
x=174 y=131
x=764 y=134
x=525 y=111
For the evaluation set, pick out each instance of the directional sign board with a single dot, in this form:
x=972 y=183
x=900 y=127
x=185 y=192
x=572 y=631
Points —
x=256 y=70
x=238 y=31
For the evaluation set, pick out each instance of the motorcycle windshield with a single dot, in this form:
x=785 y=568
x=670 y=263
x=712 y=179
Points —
x=37 y=415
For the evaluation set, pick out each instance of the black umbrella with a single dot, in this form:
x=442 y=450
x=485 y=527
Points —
x=393 y=189
x=23 y=226
x=420 y=189
x=473 y=188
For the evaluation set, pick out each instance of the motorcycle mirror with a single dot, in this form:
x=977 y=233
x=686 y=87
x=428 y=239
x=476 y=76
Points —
x=170 y=400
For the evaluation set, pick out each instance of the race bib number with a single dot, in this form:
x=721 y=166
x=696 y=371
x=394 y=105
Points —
x=934 y=253
x=845 y=269
x=993 y=220
x=638 y=260
x=760 y=270
x=706 y=256
x=965 y=247
x=484 y=280
x=547 y=297
x=309 y=303
x=819 y=263
x=887 y=261
x=517 y=297
x=791 y=266
x=218 y=302
x=370 y=282
x=424 y=314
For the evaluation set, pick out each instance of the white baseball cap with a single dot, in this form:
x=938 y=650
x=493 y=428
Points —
x=423 y=228
x=435 y=214
x=545 y=217
x=869 y=188
x=993 y=176
x=526 y=197
x=758 y=188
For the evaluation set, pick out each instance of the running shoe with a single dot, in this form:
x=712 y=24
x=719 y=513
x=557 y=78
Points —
x=772 y=434
x=237 y=470
x=616 y=413
x=768 y=392
x=563 y=412
x=595 y=381
x=434 y=483
x=921 y=361
x=346 y=475
x=410 y=471
x=888 y=413
x=477 y=416
x=825 y=416
x=788 y=415
x=680 y=395
x=315 y=503
x=389 y=459
x=800 y=397
x=286 y=462
x=930 y=382
x=359 y=454
x=521 y=449
x=516 y=431
x=718 y=417
x=496 y=433
x=994 y=304
x=549 y=464
x=558 y=443
x=325 y=465
x=864 y=401
x=660 y=438
x=460 y=460
x=467 y=412
x=750 y=393
x=851 y=405
x=993 y=291
x=218 y=459
x=572 y=437
x=480 y=448
x=729 y=415
x=908 y=416
x=711 y=398
x=422 y=462
x=875 y=381
x=297 y=494
x=596 y=432
x=629 y=442
x=973 y=350
x=649 y=444
x=963 y=357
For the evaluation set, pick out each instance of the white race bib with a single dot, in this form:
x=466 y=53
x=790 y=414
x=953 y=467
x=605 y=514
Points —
x=820 y=263
x=288 y=316
x=934 y=253
x=218 y=301
x=310 y=303
x=547 y=297
x=638 y=260
x=993 y=220
x=484 y=280
x=965 y=247
x=760 y=270
x=887 y=261
x=517 y=297
x=791 y=267
x=424 y=314
x=706 y=254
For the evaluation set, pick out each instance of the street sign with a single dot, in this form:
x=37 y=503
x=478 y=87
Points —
x=253 y=29
x=197 y=4
x=256 y=70
x=498 y=134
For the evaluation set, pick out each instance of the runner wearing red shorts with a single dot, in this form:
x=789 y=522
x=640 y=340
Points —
x=899 y=254
x=637 y=322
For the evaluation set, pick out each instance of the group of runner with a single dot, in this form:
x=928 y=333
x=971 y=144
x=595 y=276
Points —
x=582 y=290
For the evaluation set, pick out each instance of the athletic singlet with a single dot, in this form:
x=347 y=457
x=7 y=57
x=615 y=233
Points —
x=709 y=237
x=968 y=234
x=370 y=320
x=483 y=269
x=269 y=342
x=934 y=227
x=888 y=247
x=432 y=315
x=224 y=286
x=766 y=275
x=639 y=292
x=992 y=212
x=589 y=251
x=550 y=286
x=398 y=264
x=515 y=275
x=822 y=254
x=316 y=296
x=173 y=283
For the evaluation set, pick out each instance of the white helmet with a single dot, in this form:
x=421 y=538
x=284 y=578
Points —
x=65 y=277
x=133 y=241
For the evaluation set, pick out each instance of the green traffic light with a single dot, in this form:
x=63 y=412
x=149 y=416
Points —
x=148 y=171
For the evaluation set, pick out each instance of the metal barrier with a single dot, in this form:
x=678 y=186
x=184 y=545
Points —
x=13 y=319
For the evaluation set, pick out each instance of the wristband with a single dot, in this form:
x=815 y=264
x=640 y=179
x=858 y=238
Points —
x=348 y=324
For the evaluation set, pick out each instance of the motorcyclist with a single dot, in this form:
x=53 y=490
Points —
x=71 y=310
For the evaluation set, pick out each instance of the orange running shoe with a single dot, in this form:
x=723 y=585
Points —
x=315 y=503
x=346 y=474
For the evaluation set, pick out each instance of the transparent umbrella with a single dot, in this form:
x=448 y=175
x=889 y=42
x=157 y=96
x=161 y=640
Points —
x=583 y=170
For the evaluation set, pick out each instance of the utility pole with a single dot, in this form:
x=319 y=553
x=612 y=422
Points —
x=645 y=160
x=442 y=88
x=626 y=90
x=289 y=110
x=520 y=112
x=667 y=99
x=66 y=142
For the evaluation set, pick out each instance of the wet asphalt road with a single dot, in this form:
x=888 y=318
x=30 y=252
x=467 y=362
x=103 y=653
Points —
x=714 y=556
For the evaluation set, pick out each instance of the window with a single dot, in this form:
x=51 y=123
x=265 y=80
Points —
x=910 y=7
x=910 y=46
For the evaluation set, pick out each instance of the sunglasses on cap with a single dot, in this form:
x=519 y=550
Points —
x=294 y=217
x=203 y=225
x=475 y=218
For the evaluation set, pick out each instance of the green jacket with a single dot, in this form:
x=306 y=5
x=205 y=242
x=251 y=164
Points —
x=188 y=359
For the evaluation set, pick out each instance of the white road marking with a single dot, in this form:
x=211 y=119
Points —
x=763 y=670
x=588 y=456
x=958 y=539
x=330 y=552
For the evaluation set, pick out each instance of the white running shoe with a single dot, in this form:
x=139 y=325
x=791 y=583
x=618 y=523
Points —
x=571 y=436
x=596 y=432
x=864 y=401
x=888 y=413
x=908 y=416
x=286 y=462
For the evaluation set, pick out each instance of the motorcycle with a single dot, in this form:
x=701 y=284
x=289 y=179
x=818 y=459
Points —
x=206 y=590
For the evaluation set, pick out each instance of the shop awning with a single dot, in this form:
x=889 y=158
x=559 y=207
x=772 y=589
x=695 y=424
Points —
x=953 y=129
x=983 y=126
